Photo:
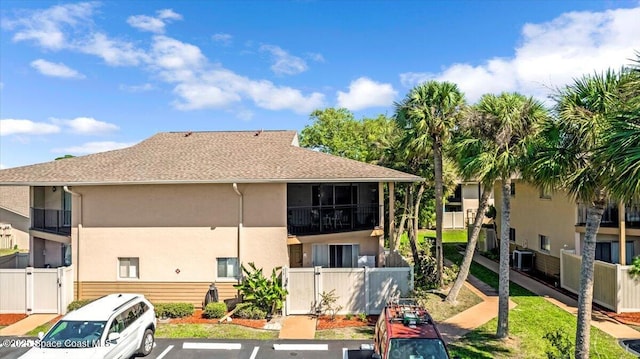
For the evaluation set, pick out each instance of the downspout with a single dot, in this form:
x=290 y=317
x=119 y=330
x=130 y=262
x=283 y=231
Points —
x=77 y=250
x=240 y=219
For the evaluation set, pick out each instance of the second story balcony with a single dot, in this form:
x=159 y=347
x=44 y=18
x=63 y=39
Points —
x=333 y=219
x=611 y=215
x=55 y=221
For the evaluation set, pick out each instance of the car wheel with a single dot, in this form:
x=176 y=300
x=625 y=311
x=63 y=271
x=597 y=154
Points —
x=147 y=343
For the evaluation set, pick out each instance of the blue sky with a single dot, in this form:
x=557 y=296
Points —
x=85 y=77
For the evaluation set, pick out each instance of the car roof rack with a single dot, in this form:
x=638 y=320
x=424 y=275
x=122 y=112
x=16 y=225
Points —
x=408 y=311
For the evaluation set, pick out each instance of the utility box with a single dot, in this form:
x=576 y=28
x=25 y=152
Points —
x=523 y=260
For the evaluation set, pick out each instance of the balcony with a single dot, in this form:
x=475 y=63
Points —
x=51 y=220
x=610 y=216
x=311 y=220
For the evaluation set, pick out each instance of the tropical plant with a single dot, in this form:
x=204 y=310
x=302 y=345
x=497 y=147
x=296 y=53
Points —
x=567 y=157
x=328 y=303
x=427 y=114
x=560 y=343
x=634 y=271
x=267 y=294
x=495 y=136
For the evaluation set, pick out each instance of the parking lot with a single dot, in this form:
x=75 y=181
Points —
x=243 y=349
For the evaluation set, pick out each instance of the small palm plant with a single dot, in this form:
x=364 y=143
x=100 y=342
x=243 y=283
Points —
x=267 y=294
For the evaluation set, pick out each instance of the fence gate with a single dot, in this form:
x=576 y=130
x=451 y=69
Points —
x=36 y=290
x=303 y=286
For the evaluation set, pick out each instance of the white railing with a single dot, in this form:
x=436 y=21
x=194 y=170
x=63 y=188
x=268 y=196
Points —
x=613 y=288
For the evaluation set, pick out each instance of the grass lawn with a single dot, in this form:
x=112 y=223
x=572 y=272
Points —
x=7 y=251
x=362 y=333
x=42 y=328
x=439 y=310
x=214 y=331
x=528 y=323
x=448 y=236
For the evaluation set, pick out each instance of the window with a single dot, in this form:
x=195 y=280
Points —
x=512 y=234
x=603 y=251
x=336 y=255
x=545 y=194
x=513 y=189
x=228 y=268
x=545 y=244
x=128 y=268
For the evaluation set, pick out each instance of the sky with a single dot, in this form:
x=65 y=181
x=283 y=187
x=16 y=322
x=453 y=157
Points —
x=84 y=77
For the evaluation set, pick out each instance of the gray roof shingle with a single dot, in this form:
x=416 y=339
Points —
x=204 y=157
x=15 y=199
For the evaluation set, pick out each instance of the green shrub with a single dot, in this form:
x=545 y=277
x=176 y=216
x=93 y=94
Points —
x=174 y=310
x=560 y=345
x=268 y=294
x=77 y=304
x=249 y=311
x=362 y=317
x=348 y=316
x=215 y=310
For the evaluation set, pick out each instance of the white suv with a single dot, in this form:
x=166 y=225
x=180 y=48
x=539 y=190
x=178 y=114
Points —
x=114 y=326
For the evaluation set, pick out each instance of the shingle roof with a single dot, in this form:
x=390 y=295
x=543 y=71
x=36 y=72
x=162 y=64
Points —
x=204 y=157
x=15 y=199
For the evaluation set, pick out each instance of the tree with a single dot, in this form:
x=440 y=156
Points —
x=505 y=124
x=567 y=157
x=427 y=114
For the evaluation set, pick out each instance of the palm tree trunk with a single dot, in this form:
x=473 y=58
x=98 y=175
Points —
x=503 y=286
x=452 y=297
x=400 y=228
x=437 y=156
x=585 y=296
x=412 y=233
x=416 y=210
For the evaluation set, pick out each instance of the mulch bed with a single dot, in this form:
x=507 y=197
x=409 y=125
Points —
x=627 y=318
x=340 y=321
x=8 y=319
x=197 y=318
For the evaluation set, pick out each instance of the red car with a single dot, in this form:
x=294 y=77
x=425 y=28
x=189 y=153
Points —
x=406 y=331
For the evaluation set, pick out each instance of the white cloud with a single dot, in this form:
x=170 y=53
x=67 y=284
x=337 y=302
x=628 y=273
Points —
x=55 y=69
x=47 y=27
x=113 y=52
x=315 y=56
x=2 y=166
x=549 y=55
x=169 y=53
x=93 y=147
x=154 y=24
x=220 y=88
x=137 y=88
x=283 y=62
x=12 y=126
x=87 y=125
x=364 y=93
x=225 y=39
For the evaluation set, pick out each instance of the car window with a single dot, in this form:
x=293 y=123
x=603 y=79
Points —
x=74 y=334
x=417 y=349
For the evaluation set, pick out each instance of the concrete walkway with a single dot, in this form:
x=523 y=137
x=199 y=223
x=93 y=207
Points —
x=298 y=327
x=27 y=324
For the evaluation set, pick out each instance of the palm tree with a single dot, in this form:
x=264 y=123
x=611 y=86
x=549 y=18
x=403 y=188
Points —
x=503 y=126
x=566 y=158
x=427 y=114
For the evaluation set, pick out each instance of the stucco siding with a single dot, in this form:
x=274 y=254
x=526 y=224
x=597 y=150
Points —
x=368 y=245
x=532 y=216
x=19 y=229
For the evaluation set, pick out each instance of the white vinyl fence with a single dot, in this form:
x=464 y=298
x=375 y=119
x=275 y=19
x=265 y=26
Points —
x=613 y=288
x=358 y=290
x=452 y=220
x=36 y=290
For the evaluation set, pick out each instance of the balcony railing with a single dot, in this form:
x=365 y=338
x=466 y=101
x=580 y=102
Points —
x=611 y=216
x=51 y=220
x=332 y=219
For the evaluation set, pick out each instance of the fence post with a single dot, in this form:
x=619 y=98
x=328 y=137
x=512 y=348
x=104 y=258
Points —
x=619 y=286
x=285 y=285
x=561 y=268
x=28 y=277
x=367 y=299
x=317 y=285
x=412 y=279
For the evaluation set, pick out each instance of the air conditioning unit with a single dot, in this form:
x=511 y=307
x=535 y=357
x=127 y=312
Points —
x=523 y=260
x=366 y=261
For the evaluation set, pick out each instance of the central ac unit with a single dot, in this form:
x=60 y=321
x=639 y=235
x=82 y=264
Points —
x=523 y=260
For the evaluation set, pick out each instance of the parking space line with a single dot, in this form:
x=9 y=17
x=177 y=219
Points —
x=300 y=347
x=224 y=346
x=254 y=352
x=165 y=352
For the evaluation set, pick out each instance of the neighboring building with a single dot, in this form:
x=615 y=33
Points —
x=547 y=223
x=14 y=217
x=461 y=207
x=171 y=215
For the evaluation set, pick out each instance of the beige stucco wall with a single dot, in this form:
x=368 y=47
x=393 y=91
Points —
x=532 y=216
x=19 y=228
x=171 y=227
